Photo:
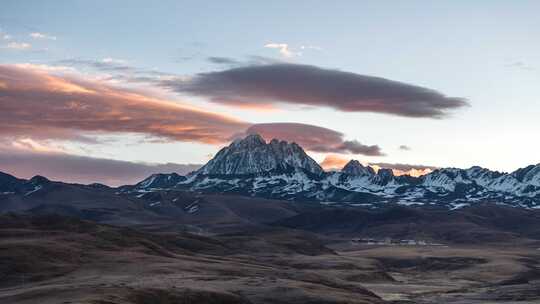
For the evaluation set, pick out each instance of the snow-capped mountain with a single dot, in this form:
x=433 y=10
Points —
x=522 y=183
x=252 y=156
x=355 y=168
x=282 y=170
x=252 y=166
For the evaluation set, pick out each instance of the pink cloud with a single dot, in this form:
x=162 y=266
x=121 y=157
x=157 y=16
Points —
x=314 y=138
x=37 y=104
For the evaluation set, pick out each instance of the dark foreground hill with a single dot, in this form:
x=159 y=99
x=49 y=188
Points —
x=212 y=214
x=54 y=259
x=473 y=225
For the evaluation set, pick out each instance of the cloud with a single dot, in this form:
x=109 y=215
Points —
x=19 y=46
x=55 y=103
x=278 y=83
x=260 y=60
x=118 y=70
x=114 y=60
x=404 y=148
x=36 y=104
x=81 y=169
x=314 y=138
x=42 y=36
x=44 y=67
x=520 y=65
x=311 y=47
x=223 y=60
x=405 y=169
x=334 y=162
x=107 y=64
x=355 y=147
x=283 y=48
x=337 y=162
x=4 y=35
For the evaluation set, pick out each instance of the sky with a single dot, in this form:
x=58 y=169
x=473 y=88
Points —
x=111 y=91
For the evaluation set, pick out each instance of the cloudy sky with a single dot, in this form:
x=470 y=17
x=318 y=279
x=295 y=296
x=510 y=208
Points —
x=111 y=91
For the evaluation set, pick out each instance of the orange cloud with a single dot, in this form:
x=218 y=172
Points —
x=337 y=162
x=412 y=172
x=404 y=169
x=334 y=162
x=35 y=103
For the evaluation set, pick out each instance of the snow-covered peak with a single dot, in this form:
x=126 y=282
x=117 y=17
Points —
x=250 y=141
x=524 y=181
x=482 y=176
x=385 y=174
x=529 y=175
x=252 y=155
x=445 y=178
x=355 y=168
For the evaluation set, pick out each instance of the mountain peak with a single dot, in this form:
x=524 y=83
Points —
x=529 y=174
x=252 y=155
x=385 y=173
x=251 y=140
x=354 y=167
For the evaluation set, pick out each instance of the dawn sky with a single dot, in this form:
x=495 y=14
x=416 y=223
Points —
x=123 y=84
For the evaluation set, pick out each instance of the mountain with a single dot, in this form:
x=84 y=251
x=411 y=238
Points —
x=523 y=182
x=12 y=185
x=253 y=167
x=281 y=170
x=355 y=168
x=252 y=156
x=160 y=181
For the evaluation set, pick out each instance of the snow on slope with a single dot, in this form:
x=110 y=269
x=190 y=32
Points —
x=252 y=155
x=278 y=169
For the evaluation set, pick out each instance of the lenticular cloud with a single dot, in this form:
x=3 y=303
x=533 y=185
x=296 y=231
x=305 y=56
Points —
x=269 y=84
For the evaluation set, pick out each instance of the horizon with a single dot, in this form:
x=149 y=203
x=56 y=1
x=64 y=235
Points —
x=162 y=89
x=187 y=169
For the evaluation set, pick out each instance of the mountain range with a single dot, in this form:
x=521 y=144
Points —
x=281 y=170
